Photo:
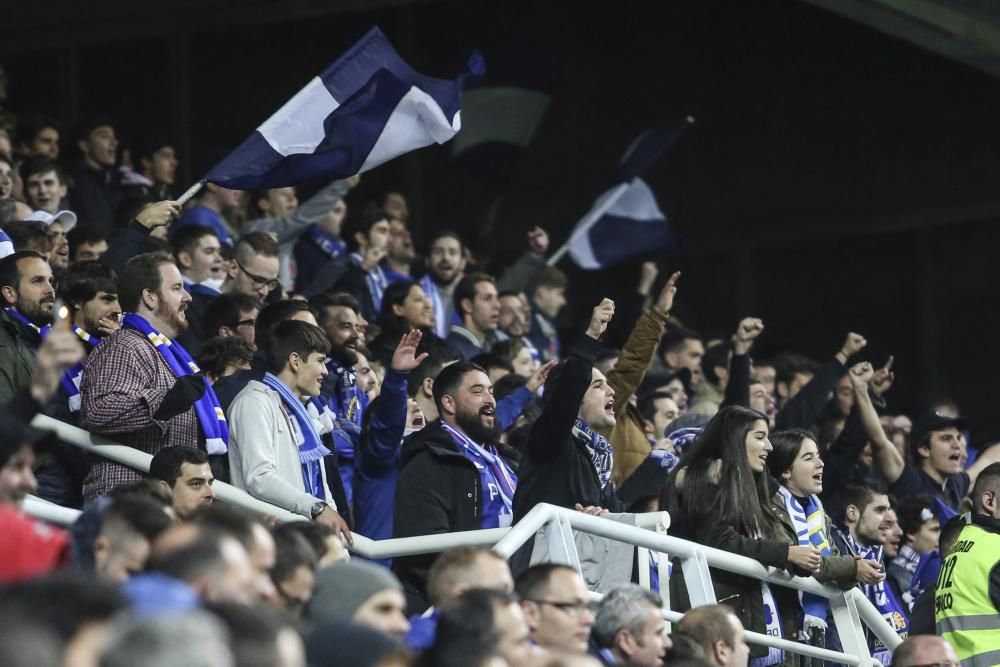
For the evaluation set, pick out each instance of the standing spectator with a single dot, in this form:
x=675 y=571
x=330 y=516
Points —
x=186 y=473
x=445 y=268
x=477 y=304
x=86 y=243
x=420 y=383
x=212 y=201
x=548 y=296
x=156 y=169
x=801 y=409
x=451 y=475
x=361 y=592
x=140 y=386
x=567 y=462
x=967 y=603
x=399 y=256
x=44 y=184
x=556 y=604
x=479 y=626
x=232 y=315
x=921 y=527
x=37 y=134
x=629 y=626
x=276 y=452
x=26 y=286
x=96 y=191
x=320 y=243
x=681 y=348
x=56 y=227
x=294 y=571
x=719 y=633
x=405 y=307
x=198 y=253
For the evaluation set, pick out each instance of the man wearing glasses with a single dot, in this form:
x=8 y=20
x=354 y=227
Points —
x=556 y=605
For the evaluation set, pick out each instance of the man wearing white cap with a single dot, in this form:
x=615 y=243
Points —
x=58 y=225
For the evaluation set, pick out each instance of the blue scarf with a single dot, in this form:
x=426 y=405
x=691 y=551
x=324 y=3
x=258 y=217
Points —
x=204 y=290
x=498 y=481
x=70 y=381
x=377 y=282
x=41 y=331
x=442 y=327
x=598 y=448
x=210 y=416
x=311 y=449
x=6 y=245
x=331 y=246
x=810 y=527
x=882 y=596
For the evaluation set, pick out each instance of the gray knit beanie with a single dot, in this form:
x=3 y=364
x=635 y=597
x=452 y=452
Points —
x=343 y=587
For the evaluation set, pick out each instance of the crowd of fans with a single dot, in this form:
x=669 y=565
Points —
x=305 y=353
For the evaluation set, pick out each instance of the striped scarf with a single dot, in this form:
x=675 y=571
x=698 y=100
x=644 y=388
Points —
x=70 y=381
x=810 y=527
x=6 y=245
x=307 y=438
x=211 y=418
x=599 y=449
x=442 y=327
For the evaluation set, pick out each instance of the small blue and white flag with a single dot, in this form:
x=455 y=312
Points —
x=625 y=219
x=6 y=245
x=365 y=109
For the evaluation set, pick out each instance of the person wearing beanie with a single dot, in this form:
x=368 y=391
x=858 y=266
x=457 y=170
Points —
x=359 y=592
x=368 y=648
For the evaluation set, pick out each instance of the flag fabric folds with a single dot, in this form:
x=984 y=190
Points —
x=625 y=220
x=363 y=110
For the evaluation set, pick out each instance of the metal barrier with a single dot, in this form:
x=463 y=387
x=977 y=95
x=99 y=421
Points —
x=851 y=610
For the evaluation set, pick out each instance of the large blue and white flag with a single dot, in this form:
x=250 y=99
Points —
x=365 y=109
x=625 y=219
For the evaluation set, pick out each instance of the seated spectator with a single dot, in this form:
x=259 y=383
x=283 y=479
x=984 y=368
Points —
x=232 y=315
x=369 y=648
x=198 y=254
x=139 y=386
x=629 y=625
x=259 y=636
x=326 y=544
x=320 y=242
x=186 y=473
x=223 y=356
x=719 y=633
x=453 y=573
x=496 y=367
x=420 y=383
x=96 y=191
x=294 y=571
x=276 y=452
x=445 y=268
x=255 y=539
x=445 y=459
x=556 y=604
x=919 y=650
x=129 y=527
x=360 y=592
x=477 y=304
x=194 y=638
x=478 y=624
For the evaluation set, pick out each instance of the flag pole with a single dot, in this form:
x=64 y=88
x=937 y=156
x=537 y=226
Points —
x=190 y=192
x=610 y=201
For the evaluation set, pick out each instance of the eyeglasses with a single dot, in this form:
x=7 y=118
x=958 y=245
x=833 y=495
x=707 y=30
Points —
x=571 y=608
x=270 y=283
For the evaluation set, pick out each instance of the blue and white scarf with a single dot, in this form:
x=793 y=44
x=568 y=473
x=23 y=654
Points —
x=210 y=416
x=201 y=288
x=307 y=438
x=70 y=381
x=331 y=246
x=498 y=481
x=442 y=327
x=375 y=280
x=882 y=596
x=41 y=331
x=810 y=527
x=598 y=448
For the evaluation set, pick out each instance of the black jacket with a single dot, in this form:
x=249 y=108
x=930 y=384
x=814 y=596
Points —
x=555 y=467
x=95 y=195
x=438 y=491
x=803 y=410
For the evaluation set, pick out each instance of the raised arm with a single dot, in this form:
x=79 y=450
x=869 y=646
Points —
x=738 y=384
x=802 y=410
x=290 y=227
x=886 y=455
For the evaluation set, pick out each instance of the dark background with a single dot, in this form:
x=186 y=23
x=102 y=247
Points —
x=836 y=178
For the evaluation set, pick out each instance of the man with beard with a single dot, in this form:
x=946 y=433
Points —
x=399 y=255
x=141 y=387
x=445 y=268
x=451 y=476
x=28 y=295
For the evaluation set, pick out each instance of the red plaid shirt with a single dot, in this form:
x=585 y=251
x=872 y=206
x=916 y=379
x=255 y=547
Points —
x=124 y=382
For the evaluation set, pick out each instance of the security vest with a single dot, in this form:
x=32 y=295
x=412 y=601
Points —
x=963 y=611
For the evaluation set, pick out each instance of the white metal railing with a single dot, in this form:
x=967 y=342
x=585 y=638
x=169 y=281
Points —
x=851 y=609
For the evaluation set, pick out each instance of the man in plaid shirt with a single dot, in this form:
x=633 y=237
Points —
x=128 y=391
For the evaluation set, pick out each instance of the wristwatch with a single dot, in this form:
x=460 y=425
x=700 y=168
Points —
x=317 y=509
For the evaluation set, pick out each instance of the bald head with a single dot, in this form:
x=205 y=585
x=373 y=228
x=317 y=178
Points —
x=986 y=492
x=923 y=650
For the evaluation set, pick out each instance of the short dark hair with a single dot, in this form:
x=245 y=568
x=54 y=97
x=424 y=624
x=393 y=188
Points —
x=30 y=125
x=228 y=520
x=186 y=237
x=41 y=164
x=453 y=564
x=83 y=280
x=146 y=488
x=166 y=463
x=446 y=234
x=988 y=480
x=450 y=379
x=321 y=302
x=29 y=235
x=84 y=234
x=141 y=273
x=314 y=533
x=466 y=288
x=274 y=314
x=911 y=512
x=950 y=531
x=709 y=624
x=292 y=551
x=647 y=405
x=147 y=145
x=10 y=275
x=253 y=244
x=362 y=222
x=253 y=632
x=790 y=364
x=853 y=493
x=439 y=355
x=534 y=581
x=674 y=339
x=507 y=385
x=491 y=361
x=191 y=561
x=219 y=352
x=467 y=630
x=64 y=601
x=137 y=514
x=224 y=311
x=293 y=336
x=89 y=123
x=715 y=356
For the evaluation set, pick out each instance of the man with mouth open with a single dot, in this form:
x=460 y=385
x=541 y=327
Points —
x=140 y=387
x=452 y=476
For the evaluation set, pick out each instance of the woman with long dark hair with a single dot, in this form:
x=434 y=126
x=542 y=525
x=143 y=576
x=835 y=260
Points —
x=721 y=497
x=796 y=464
x=405 y=307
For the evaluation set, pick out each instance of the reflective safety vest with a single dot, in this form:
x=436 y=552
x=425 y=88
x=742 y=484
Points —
x=963 y=611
